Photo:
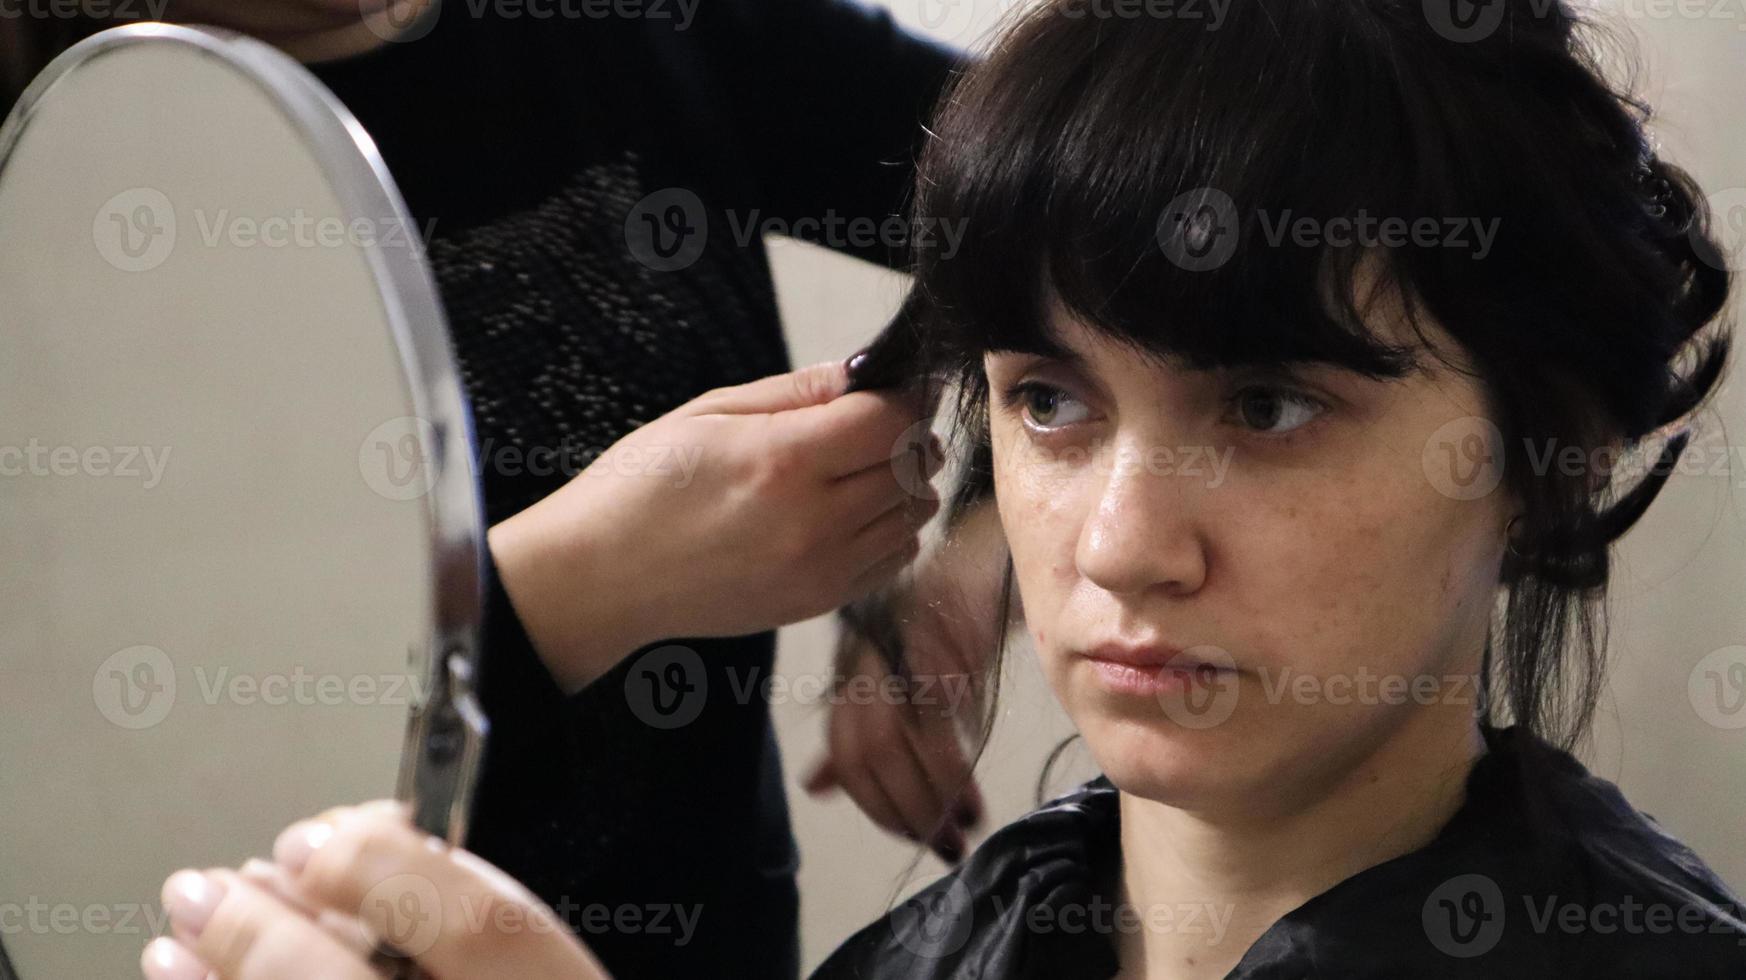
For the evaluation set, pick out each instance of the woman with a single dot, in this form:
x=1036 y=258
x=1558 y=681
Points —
x=1283 y=650
x=1267 y=326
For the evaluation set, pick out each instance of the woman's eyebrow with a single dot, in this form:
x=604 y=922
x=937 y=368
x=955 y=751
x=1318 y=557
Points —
x=1057 y=345
x=1062 y=355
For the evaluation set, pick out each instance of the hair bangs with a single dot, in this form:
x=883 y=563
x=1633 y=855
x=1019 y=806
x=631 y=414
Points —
x=1165 y=192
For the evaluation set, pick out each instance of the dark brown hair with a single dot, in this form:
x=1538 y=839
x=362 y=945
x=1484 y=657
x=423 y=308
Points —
x=1078 y=155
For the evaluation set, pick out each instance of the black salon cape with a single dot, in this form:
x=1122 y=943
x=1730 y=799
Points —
x=1544 y=871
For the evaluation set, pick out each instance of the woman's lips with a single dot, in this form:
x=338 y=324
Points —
x=1151 y=671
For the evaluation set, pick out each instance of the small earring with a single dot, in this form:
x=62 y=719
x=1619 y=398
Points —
x=1510 y=537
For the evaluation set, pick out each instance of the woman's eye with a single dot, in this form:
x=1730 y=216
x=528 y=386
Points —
x=1046 y=406
x=1274 y=411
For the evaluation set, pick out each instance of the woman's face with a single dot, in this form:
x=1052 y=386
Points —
x=1300 y=535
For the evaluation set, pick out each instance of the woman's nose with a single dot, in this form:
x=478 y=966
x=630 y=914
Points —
x=1144 y=530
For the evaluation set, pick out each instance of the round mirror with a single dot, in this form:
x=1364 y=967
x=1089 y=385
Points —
x=241 y=526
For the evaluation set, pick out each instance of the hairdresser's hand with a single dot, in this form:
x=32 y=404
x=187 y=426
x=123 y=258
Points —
x=340 y=881
x=745 y=509
x=904 y=760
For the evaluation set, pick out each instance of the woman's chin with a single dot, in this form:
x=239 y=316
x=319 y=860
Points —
x=1161 y=760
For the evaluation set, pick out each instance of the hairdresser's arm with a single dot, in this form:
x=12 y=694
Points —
x=746 y=508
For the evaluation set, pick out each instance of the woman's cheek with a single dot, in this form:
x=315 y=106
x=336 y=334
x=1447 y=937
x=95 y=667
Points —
x=1042 y=538
x=1040 y=510
x=1296 y=578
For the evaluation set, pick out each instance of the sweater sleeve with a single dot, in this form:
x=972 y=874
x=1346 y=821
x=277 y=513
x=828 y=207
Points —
x=531 y=734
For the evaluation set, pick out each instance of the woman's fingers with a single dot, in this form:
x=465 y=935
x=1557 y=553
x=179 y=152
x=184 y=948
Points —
x=277 y=882
x=452 y=912
x=242 y=933
x=345 y=879
x=166 y=959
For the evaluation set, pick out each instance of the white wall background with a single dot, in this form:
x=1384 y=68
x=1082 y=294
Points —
x=1679 y=591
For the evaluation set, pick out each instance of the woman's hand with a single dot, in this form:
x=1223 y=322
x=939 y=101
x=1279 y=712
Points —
x=747 y=508
x=342 y=880
x=904 y=763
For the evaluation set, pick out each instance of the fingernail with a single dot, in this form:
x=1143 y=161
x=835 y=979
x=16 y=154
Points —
x=166 y=959
x=268 y=875
x=855 y=363
x=299 y=841
x=256 y=869
x=191 y=897
x=949 y=851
